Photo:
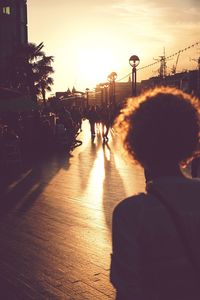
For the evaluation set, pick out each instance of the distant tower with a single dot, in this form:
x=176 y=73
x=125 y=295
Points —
x=162 y=71
x=13 y=31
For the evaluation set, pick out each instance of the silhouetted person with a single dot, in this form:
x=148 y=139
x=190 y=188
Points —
x=155 y=235
x=106 y=121
x=76 y=117
x=92 y=117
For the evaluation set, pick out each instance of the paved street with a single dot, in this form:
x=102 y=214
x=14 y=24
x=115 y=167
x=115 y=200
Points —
x=55 y=223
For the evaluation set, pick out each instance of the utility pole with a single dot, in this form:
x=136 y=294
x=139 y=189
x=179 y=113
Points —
x=162 y=71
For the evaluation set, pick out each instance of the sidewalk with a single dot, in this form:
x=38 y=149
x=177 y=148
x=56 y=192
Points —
x=55 y=223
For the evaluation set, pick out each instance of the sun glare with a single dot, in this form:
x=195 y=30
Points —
x=94 y=65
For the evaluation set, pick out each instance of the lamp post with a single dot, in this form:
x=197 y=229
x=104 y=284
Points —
x=134 y=62
x=102 y=88
x=111 y=78
x=198 y=78
x=106 y=94
x=110 y=87
x=87 y=96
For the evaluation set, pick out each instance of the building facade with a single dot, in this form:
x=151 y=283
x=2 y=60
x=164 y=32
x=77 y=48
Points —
x=188 y=81
x=115 y=93
x=13 y=31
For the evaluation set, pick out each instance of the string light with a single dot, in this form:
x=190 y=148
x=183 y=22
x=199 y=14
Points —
x=154 y=63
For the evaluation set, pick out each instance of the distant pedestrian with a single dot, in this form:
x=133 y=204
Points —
x=155 y=235
x=106 y=121
x=92 y=117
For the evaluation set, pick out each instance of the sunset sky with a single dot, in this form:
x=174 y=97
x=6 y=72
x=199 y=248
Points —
x=91 y=38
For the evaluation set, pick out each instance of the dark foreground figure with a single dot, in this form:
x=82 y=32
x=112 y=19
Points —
x=156 y=235
x=195 y=166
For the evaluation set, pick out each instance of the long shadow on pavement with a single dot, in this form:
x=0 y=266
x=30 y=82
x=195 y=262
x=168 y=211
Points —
x=113 y=187
x=20 y=191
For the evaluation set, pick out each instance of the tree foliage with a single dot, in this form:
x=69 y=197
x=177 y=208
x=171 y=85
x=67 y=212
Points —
x=31 y=69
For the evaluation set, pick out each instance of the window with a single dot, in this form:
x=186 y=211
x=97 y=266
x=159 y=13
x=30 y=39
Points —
x=6 y=10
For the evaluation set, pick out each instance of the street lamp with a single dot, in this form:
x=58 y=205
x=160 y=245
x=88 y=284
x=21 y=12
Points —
x=106 y=94
x=134 y=62
x=111 y=78
x=87 y=96
x=198 y=78
x=102 y=94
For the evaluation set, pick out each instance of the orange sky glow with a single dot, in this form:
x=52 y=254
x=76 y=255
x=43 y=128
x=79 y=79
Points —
x=90 y=39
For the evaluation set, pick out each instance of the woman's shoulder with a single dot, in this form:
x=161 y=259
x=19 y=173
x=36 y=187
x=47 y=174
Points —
x=133 y=204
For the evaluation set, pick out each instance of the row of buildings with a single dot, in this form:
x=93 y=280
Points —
x=104 y=93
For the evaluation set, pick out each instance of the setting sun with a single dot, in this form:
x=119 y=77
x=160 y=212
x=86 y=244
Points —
x=98 y=38
x=94 y=64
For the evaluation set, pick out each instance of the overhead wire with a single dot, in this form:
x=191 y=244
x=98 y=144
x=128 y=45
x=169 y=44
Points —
x=154 y=63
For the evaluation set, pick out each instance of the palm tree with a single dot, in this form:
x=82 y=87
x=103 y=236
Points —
x=44 y=81
x=43 y=86
x=29 y=67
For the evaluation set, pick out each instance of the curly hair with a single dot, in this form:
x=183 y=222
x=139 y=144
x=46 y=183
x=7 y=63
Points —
x=161 y=125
